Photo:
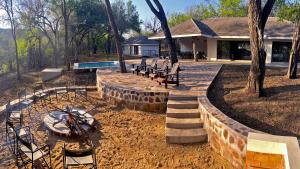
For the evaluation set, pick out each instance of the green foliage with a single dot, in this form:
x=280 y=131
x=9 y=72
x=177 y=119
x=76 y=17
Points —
x=226 y=8
x=203 y=11
x=126 y=16
x=177 y=18
x=288 y=10
x=232 y=8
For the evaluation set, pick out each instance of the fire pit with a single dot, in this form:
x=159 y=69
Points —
x=69 y=121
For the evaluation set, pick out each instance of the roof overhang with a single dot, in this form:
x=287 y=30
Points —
x=221 y=37
x=181 y=36
x=142 y=44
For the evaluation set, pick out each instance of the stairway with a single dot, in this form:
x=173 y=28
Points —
x=183 y=124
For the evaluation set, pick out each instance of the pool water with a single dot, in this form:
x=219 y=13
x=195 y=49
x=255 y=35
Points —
x=95 y=65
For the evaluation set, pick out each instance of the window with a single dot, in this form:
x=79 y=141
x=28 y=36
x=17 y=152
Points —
x=234 y=50
x=135 y=50
x=281 y=51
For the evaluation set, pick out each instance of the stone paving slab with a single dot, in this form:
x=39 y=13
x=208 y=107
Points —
x=194 y=79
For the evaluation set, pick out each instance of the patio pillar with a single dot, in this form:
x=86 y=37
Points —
x=194 y=50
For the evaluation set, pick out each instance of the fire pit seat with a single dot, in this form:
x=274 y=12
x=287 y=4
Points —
x=56 y=121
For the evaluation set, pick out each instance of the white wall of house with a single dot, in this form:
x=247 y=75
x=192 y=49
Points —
x=212 y=49
x=268 y=48
x=143 y=50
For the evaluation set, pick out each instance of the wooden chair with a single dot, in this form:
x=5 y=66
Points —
x=39 y=93
x=172 y=77
x=82 y=157
x=158 y=72
x=82 y=91
x=148 y=68
x=137 y=68
x=30 y=152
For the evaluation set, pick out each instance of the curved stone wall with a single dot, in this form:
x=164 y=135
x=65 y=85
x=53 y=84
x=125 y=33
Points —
x=226 y=136
x=133 y=98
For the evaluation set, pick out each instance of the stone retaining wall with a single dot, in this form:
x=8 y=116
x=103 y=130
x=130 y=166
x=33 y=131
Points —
x=132 y=98
x=226 y=136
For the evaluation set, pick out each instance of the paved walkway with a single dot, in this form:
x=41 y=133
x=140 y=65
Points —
x=194 y=79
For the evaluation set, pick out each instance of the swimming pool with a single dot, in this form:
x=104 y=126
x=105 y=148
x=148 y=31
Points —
x=95 y=65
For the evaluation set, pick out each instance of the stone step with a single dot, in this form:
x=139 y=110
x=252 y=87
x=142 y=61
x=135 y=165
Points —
x=182 y=136
x=183 y=123
x=181 y=97
x=182 y=104
x=183 y=113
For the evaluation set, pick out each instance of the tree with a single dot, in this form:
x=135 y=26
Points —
x=203 y=11
x=116 y=35
x=232 y=8
x=66 y=7
x=290 y=10
x=160 y=14
x=258 y=17
x=8 y=7
x=90 y=20
x=177 y=18
x=152 y=25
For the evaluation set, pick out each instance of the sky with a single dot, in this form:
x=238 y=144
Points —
x=169 y=6
x=145 y=13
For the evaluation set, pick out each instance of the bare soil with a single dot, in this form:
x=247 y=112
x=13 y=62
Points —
x=278 y=112
x=123 y=139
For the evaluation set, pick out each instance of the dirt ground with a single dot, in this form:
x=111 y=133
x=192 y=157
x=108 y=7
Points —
x=9 y=86
x=278 y=112
x=123 y=139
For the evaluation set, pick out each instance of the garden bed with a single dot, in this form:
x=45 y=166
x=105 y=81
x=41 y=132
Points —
x=275 y=113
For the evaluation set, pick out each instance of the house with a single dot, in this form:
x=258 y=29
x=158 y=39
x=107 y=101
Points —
x=227 y=38
x=141 y=46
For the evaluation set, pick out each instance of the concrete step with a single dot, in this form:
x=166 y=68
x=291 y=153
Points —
x=185 y=123
x=183 y=113
x=182 y=104
x=181 y=97
x=182 y=136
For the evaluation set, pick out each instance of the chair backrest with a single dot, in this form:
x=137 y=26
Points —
x=174 y=68
x=153 y=63
x=78 y=153
x=165 y=64
x=143 y=62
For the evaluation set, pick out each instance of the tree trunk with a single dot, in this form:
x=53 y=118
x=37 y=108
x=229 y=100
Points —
x=294 y=55
x=116 y=35
x=66 y=22
x=17 y=54
x=257 y=21
x=160 y=14
x=171 y=43
x=40 y=52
